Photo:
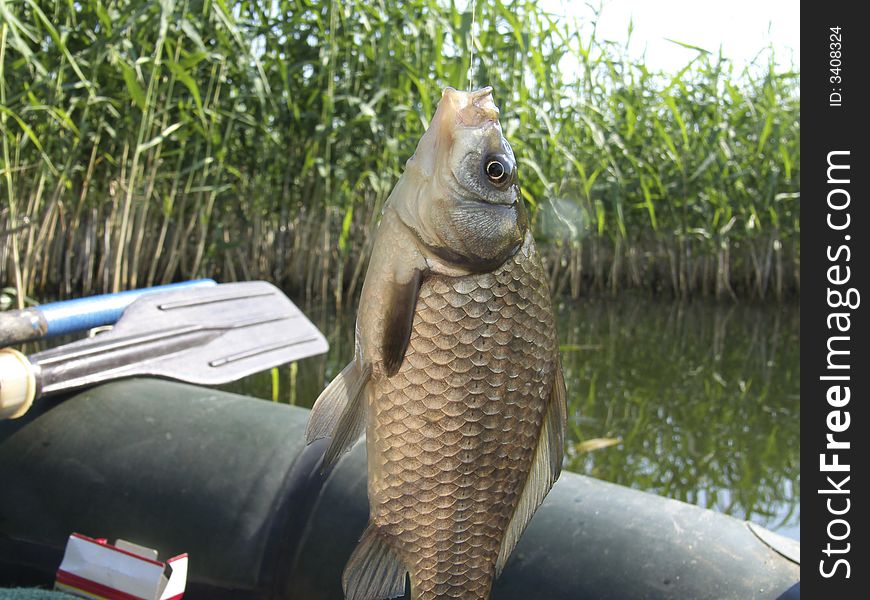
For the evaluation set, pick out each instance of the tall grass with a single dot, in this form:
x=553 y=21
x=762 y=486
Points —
x=144 y=142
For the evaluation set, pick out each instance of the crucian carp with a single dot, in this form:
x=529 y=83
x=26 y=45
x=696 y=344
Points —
x=456 y=379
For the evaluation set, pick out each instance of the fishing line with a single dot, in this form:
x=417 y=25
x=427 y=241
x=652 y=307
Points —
x=471 y=47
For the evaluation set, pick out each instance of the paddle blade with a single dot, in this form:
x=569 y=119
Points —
x=205 y=335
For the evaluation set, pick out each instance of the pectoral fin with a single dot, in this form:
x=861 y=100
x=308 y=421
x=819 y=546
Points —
x=546 y=466
x=374 y=571
x=399 y=319
x=339 y=413
x=389 y=296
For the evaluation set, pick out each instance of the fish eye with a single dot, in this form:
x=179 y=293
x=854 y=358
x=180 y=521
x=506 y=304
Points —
x=497 y=171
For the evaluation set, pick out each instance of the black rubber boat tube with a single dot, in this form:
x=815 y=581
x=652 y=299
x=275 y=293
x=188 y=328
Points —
x=227 y=479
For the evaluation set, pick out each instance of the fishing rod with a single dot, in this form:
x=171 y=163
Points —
x=206 y=336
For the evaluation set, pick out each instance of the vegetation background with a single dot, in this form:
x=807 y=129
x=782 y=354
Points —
x=145 y=142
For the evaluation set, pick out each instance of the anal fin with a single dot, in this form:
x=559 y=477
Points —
x=374 y=571
x=339 y=413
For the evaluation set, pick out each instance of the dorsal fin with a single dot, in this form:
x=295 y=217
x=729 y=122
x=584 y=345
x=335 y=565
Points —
x=546 y=466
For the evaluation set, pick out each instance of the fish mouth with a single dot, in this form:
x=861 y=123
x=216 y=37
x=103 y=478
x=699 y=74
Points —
x=470 y=109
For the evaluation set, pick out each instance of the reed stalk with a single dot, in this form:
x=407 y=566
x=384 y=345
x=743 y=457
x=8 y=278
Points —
x=149 y=142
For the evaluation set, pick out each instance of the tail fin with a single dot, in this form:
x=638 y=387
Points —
x=374 y=571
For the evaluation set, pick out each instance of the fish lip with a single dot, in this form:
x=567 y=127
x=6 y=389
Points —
x=474 y=109
x=478 y=124
x=475 y=95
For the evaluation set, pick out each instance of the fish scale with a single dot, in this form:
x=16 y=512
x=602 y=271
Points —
x=455 y=377
x=453 y=432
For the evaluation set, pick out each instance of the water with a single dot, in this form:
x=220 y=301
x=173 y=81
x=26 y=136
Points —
x=703 y=399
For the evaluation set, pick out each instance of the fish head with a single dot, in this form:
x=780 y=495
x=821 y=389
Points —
x=466 y=206
x=477 y=160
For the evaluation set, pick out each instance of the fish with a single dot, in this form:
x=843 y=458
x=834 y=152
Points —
x=456 y=380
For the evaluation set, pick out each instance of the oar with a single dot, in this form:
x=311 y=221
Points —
x=72 y=316
x=206 y=336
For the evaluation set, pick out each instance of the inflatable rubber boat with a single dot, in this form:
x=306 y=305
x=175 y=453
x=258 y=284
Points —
x=228 y=480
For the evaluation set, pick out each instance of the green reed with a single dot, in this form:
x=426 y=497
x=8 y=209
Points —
x=145 y=142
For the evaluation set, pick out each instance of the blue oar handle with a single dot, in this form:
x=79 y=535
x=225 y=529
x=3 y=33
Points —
x=71 y=316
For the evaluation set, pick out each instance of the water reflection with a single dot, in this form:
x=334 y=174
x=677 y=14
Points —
x=705 y=399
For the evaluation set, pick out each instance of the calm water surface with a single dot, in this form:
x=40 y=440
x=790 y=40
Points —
x=696 y=402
